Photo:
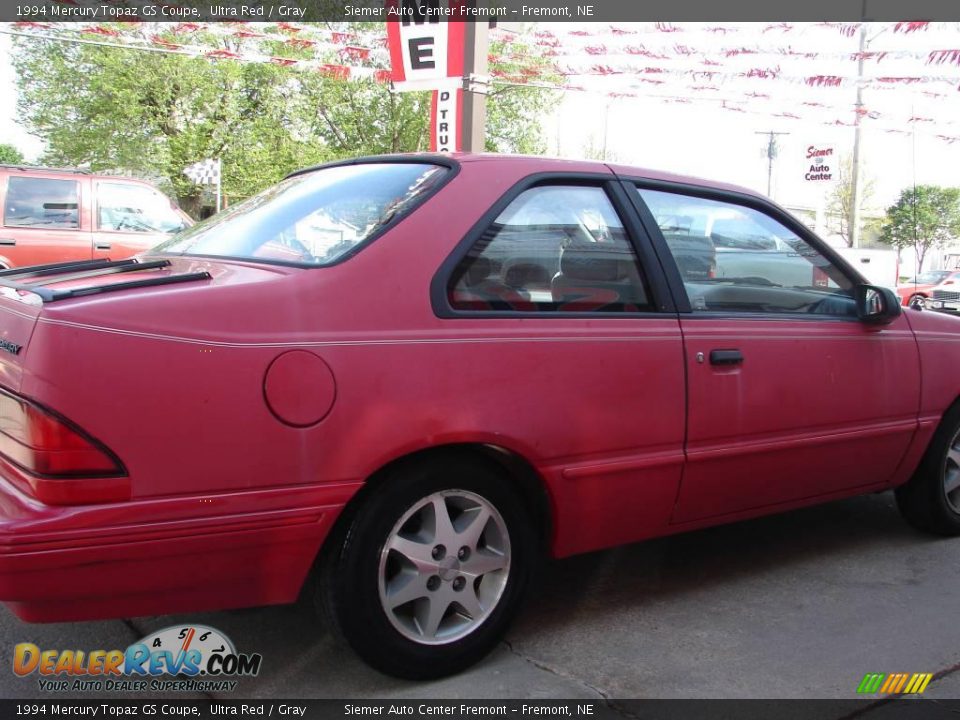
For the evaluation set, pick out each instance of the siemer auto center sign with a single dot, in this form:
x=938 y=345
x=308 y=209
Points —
x=817 y=161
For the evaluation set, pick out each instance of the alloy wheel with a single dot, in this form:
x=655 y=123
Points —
x=951 y=474
x=444 y=567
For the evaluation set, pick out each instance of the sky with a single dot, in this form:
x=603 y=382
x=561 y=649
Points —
x=10 y=131
x=703 y=139
x=659 y=129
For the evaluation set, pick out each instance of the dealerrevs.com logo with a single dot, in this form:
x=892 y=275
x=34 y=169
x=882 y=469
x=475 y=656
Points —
x=201 y=659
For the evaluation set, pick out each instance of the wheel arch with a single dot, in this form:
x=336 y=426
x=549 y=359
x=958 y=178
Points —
x=921 y=445
x=516 y=469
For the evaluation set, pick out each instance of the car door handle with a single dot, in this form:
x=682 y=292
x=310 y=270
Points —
x=7 y=241
x=726 y=357
x=102 y=246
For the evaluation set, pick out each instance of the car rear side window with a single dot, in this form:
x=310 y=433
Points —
x=733 y=258
x=554 y=248
x=42 y=203
x=313 y=218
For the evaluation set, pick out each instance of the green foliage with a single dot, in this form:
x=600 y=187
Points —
x=924 y=217
x=514 y=111
x=152 y=114
x=9 y=155
x=840 y=202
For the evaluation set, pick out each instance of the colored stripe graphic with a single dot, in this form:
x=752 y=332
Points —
x=895 y=683
x=871 y=683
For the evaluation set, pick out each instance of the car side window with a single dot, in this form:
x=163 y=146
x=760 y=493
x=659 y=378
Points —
x=133 y=208
x=554 y=248
x=733 y=258
x=42 y=203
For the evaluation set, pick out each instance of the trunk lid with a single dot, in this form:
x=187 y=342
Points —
x=129 y=288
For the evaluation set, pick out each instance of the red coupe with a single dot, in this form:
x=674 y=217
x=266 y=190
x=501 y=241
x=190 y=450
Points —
x=916 y=291
x=394 y=382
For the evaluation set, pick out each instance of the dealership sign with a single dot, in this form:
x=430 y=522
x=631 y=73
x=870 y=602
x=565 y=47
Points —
x=818 y=161
x=426 y=48
x=427 y=53
x=446 y=110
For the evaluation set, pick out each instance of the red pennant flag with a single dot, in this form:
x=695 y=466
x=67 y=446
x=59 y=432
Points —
x=100 y=30
x=222 y=55
x=909 y=27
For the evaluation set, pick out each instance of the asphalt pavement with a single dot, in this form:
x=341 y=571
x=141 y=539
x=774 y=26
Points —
x=799 y=605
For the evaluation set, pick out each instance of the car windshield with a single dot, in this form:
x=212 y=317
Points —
x=314 y=218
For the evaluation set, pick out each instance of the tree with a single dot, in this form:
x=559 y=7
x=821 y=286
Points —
x=9 y=155
x=594 y=149
x=840 y=202
x=924 y=217
x=152 y=114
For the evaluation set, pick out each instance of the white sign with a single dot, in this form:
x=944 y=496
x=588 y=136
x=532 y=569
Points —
x=818 y=163
x=426 y=48
x=445 y=120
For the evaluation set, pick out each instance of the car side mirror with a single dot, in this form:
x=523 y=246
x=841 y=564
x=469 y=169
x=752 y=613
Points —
x=876 y=305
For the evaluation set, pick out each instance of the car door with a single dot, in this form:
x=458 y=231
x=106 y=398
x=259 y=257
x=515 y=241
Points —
x=130 y=218
x=574 y=336
x=790 y=395
x=43 y=219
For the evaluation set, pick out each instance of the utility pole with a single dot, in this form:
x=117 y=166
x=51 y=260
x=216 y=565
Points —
x=771 y=155
x=476 y=83
x=855 y=190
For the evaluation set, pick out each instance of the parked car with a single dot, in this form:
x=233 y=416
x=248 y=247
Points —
x=916 y=291
x=945 y=297
x=335 y=388
x=54 y=215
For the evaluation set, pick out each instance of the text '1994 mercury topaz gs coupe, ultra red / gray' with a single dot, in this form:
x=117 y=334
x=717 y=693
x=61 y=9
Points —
x=394 y=382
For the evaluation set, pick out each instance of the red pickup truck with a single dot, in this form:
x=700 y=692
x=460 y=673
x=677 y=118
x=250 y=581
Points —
x=64 y=215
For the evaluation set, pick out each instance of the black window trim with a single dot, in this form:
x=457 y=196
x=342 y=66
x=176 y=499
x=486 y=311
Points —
x=453 y=169
x=80 y=201
x=769 y=208
x=639 y=242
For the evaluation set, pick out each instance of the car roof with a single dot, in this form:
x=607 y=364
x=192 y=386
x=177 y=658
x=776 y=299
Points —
x=67 y=172
x=530 y=164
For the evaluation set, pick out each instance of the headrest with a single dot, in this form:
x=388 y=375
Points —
x=598 y=262
x=478 y=271
x=524 y=274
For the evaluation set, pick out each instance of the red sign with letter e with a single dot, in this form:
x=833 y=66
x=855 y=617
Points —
x=427 y=53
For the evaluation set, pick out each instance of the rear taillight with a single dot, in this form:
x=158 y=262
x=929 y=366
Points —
x=61 y=463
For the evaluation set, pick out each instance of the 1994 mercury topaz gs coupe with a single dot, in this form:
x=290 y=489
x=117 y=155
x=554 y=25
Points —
x=394 y=381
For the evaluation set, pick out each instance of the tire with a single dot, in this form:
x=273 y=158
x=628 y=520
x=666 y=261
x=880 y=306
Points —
x=930 y=501
x=385 y=581
x=917 y=302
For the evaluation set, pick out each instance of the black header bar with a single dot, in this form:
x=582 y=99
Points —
x=580 y=11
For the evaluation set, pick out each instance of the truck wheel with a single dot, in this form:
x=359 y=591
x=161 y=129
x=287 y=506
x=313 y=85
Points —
x=930 y=501
x=431 y=568
x=917 y=302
